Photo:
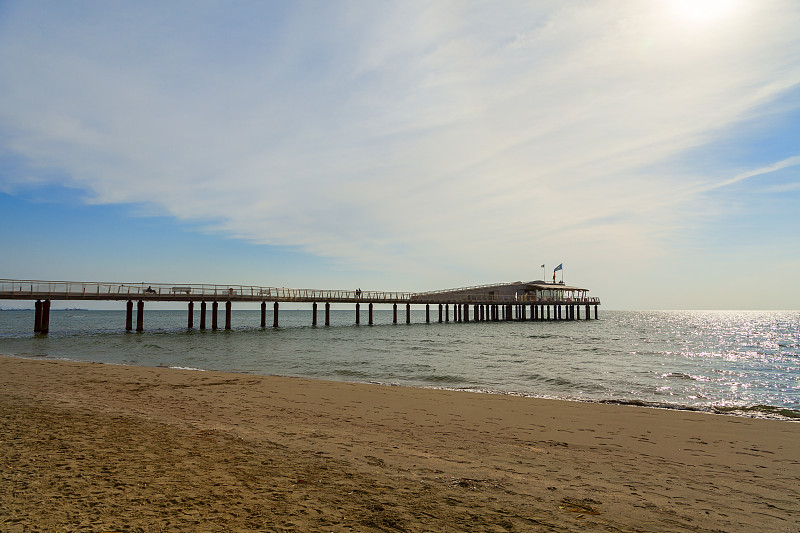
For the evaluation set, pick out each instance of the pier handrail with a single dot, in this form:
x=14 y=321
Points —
x=182 y=291
x=83 y=290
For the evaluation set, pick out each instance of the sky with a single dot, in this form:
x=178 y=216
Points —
x=651 y=147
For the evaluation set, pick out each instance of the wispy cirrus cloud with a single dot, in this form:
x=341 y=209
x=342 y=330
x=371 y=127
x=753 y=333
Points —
x=373 y=132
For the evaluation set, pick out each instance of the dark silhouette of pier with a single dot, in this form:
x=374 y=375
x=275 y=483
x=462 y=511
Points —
x=532 y=300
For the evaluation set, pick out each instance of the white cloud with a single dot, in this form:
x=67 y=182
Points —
x=379 y=131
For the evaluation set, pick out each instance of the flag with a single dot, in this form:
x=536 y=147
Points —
x=558 y=267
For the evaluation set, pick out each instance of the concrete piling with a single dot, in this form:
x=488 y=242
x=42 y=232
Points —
x=128 y=316
x=139 y=316
x=44 y=324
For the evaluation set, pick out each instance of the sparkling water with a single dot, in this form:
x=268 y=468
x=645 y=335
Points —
x=739 y=362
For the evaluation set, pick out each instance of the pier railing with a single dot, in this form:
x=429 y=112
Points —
x=87 y=290
x=83 y=290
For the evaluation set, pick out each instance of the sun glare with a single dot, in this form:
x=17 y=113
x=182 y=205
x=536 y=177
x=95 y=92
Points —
x=702 y=11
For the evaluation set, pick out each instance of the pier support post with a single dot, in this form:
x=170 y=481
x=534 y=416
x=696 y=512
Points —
x=128 y=315
x=524 y=315
x=587 y=311
x=275 y=315
x=327 y=313
x=37 y=317
x=578 y=311
x=263 y=314
x=408 y=313
x=466 y=312
x=475 y=313
x=358 y=313
x=548 y=312
x=44 y=325
x=190 y=318
x=202 y=315
x=482 y=316
x=394 y=313
x=447 y=312
x=595 y=312
x=427 y=313
x=440 y=313
x=228 y=314
x=139 y=316
x=314 y=314
x=370 y=314
x=214 y=309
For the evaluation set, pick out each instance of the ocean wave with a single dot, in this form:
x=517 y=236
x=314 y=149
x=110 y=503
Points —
x=760 y=411
x=351 y=373
x=678 y=375
x=442 y=378
x=751 y=411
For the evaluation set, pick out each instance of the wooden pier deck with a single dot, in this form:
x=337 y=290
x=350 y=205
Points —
x=503 y=301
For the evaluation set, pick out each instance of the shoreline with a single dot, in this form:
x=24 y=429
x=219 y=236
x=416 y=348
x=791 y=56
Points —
x=124 y=447
x=760 y=411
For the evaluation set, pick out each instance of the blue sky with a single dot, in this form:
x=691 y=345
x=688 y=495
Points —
x=652 y=147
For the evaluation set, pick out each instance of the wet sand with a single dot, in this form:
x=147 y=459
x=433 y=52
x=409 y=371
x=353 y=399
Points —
x=90 y=447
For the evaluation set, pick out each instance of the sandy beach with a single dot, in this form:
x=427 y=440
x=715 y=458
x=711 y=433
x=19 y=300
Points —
x=91 y=447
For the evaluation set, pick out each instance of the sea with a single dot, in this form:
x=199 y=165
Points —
x=744 y=363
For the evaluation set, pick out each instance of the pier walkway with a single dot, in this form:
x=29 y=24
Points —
x=533 y=300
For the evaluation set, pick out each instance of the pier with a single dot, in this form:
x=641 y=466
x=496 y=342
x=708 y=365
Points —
x=520 y=301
